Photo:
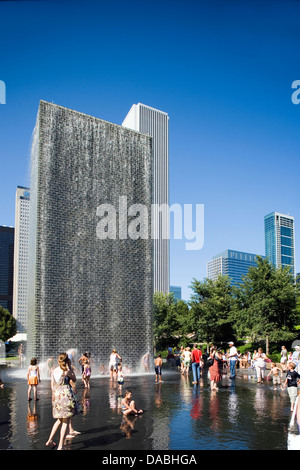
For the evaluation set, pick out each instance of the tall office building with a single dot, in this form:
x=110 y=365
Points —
x=231 y=263
x=6 y=267
x=21 y=257
x=155 y=123
x=280 y=240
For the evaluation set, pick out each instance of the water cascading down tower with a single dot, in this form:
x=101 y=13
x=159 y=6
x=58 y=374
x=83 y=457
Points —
x=90 y=276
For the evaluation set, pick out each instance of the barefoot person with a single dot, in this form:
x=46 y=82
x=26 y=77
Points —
x=114 y=360
x=128 y=405
x=63 y=399
x=158 y=366
x=277 y=375
x=33 y=378
x=216 y=369
x=86 y=374
x=291 y=382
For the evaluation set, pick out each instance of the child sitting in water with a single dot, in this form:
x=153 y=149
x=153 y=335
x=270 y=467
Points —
x=275 y=372
x=128 y=405
x=33 y=378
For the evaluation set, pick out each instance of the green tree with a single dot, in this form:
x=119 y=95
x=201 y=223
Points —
x=211 y=306
x=8 y=325
x=169 y=319
x=267 y=303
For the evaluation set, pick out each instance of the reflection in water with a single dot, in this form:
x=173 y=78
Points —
x=32 y=419
x=214 y=410
x=177 y=415
x=260 y=403
x=158 y=395
x=197 y=405
x=233 y=404
x=85 y=402
x=127 y=425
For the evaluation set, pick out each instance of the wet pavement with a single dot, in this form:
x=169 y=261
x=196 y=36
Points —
x=177 y=414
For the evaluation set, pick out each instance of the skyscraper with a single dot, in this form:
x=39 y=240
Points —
x=176 y=290
x=280 y=240
x=21 y=257
x=6 y=267
x=231 y=263
x=155 y=123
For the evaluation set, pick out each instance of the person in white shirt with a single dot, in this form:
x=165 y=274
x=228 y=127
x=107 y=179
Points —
x=232 y=359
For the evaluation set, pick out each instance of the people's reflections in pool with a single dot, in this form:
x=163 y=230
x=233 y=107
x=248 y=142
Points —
x=197 y=405
x=260 y=402
x=158 y=396
x=113 y=397
x=127 y=425
x=85 y=401
x=214 y=411
x=185 y=388
x=32 y=419
x=233 y=403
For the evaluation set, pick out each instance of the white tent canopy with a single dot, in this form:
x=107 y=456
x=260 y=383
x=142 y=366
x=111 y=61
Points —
x=18 y=337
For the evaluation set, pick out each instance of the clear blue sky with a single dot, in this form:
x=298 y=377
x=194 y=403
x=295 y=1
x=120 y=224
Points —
x=221 y=69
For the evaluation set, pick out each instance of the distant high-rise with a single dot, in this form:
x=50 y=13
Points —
x=6 y=267
x=156 y=124
x=21 y=257
x=280 y=240
x=231 y=263
x=176 y=290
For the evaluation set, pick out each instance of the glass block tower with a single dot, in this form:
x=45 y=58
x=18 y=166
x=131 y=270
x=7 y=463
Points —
x=86 y=292
x=155 y=123
x=280 y=240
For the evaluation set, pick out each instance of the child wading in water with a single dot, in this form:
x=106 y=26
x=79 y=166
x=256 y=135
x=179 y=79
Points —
x=291 y=382
x=128 y=405
x=275 y=372
x=33 y=378
x=86 y=373
x=120 y=376
x=158 y=366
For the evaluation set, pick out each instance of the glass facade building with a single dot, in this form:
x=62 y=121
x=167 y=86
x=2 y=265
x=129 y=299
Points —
x=6 y=267
x=176 y=290
x=280 y=240
x=155 y=123
x=231 y=263
x=21 y=257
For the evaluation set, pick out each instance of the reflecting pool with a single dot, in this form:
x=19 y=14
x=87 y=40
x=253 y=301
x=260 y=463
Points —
x=177 y=414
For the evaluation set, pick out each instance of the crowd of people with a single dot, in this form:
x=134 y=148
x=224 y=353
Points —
x=65 y=403
x=216 y=362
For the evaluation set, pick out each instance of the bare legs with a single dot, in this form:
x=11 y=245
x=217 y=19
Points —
x=64 y=423
x=34 y=388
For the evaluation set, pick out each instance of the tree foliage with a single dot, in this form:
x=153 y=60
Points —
x=211 y=306
x=8 y=325
x=267 y=303
x=170 y=319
